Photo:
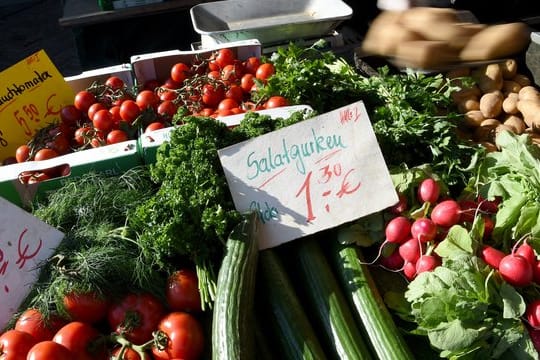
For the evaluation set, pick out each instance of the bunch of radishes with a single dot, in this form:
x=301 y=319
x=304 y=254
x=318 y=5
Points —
x=413 y=234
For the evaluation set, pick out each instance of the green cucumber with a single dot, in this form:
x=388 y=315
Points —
x=279 y=306
x=326 y=301
x=368 y=306
x=233 y=314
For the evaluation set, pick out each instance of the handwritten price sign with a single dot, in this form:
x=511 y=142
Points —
x=32 y=93
x=25 y=242
x=310 y=176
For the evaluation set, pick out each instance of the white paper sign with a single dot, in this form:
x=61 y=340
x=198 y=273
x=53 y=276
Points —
x=25 y=242
x=311 y=176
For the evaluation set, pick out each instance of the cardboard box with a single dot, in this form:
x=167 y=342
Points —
x=157 y=66
x=87 y=78
x=112 y=159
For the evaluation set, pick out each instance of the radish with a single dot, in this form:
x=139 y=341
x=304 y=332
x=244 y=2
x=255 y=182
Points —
x=427 y=263
x=536 y=272
x=398 y=230
x=428 y=191
x=492 y=256
x=424 y=229
x=401 y=206
x=394 y=261
x=446 y=213
x=534 y=334
x=489 y=224
x=409 y=270
x=411 y=250
x=516 y=270
x=468 y=210
x=489 y=206
x=527 y=251
x=533 y=314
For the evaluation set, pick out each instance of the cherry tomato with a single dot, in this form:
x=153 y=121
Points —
x=185 y=337
x=70 y=114
x=230 y=73
x=83 y=100
x=179 y=72
x=32 y=322
x=224 y=57
x=264 y=71
x=94 y=108
x=213 y=66
x=114 y=82
x=22 y=153
x=251 y=64
x=147 y=99
x=246 y=82
x=128 y=354
x=115 y=111
x=129 y=110
x=212 y=94
x=167 y=108
x=167 y=94
x=38 y=177
x=45 y=154
x=171 y=84
x=154 y=126
x=227 y=104
x=151 y=84
x=15 y=344
x=48 y=350
x=60 y=144
x=136 y=316
x=206 y=111
x=216 y=75
x=235 y=92
x=116 y=136
x=83 y=340
x=276 y=101
x=83 y=135
x=182 y=292
x=87 y=307
x=103 y=120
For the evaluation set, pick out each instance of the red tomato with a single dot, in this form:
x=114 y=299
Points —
x=251 y=64
x=276 y=101
x=213 y=66
x=48 y=350
x=185 y=337
x=116 y=136
x=128 y=354
x=44 y=154
x=154 y=126
x=246 y=82
x=32 y=322
x=136 y=316
x=206 y=111
x=225 y=57
x=94 y=108
x=147 y=99
x=171 y=84
x=103 y=120
x=86 y=307
x=182 y=291
x=83 y=340
x=129 y=110
x=115 y=111
x=215 y=74
x=70 y=114
x=15 y=344
x=179 y=72
x=166 y=94
x=227 y=104
x=60 y=144
x=38 y=177
x=151 y=84
x=83 y=100
x=167 y=108
x=212 y=94
x=22 y=153
x=83 y=135
x=230 y=73
x=264 y=71
x=235 y=92
x=114 y=82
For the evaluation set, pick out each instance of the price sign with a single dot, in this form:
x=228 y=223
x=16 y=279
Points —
x=32 y=93
x=310 y=176
x=25 y=242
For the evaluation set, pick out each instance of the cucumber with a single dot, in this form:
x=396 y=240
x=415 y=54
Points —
x=233 y=314
x=328 y=305
x=279 y=306
x=370 y=311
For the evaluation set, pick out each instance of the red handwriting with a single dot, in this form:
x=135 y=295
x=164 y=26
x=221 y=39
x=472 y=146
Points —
x=32 y=58
x=3 y=141
x=24 y=115
x=3 y=268
x=330 y=180
x=50 y=110
x=349 y=114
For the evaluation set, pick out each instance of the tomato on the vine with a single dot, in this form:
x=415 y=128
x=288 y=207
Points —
x=136 y=316
x=185 y=337
x=83 y=100
x=125 y=353
x=227 y=104
x=179 y=72
x=70 y=114
x=212 y=94
x=103 y=120
x=251 y=64
x=15 y=344
x=246 y=82
x=276 y=101
x=47 y=350
x=83 y=340
x=22 y=153
x=235 y=92
x=114 y=82
x=34 y=323
x=88 y=307
x=83 y=135
x=224 y=57
x=167 y=108
x=264 y=71
x=147 y=99
x=45 y=154
x=151 y=84
x=156 y=125
x=116 y=136
x=129 y=110
x=182 y=292
x=95 y=107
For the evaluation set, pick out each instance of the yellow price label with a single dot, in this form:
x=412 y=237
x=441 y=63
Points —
x=32 y=94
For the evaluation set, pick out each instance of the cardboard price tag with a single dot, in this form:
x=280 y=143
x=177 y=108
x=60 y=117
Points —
x=25 y=242
x=310 y=176
x=32 y=93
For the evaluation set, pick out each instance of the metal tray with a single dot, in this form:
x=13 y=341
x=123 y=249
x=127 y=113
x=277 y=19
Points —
x=270 y=21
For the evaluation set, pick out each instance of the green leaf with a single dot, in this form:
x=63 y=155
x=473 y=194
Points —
x=454 y=336
x=527 y=220
x=513 y=303
x=457 y=242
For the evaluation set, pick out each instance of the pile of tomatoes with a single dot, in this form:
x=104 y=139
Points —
x=135 y=326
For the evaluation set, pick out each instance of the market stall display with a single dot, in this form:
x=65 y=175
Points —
x=168 y=267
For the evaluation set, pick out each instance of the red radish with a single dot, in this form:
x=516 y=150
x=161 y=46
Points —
x=536 y=272
x=489 y=206
x=411 y=250
x=394 y=261
x=398 y=230
x=409 y=270
x=533 y=313
x=423 y=229
x=427 y=263
x=401 y=206
x=446 y=213
x=534 y=334
x=527 y=251
x=428 y=191
x=468 y=210
x=492 y=256
x=516 y=270
x=489 y=224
